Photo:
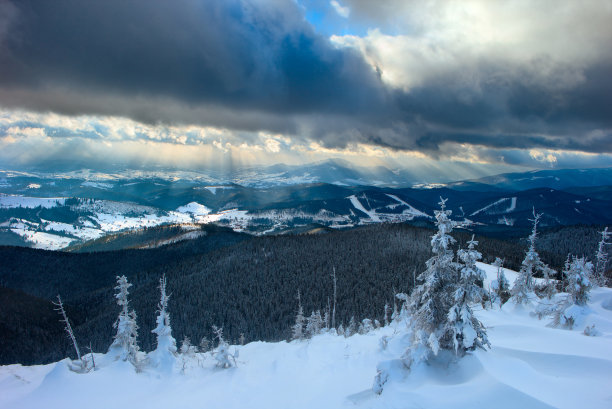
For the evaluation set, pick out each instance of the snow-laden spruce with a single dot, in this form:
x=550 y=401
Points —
x=314 y=324
x=573 y=307
x=222 y=355
x=468 y=333
x=298 y=327
x=523 y=290
x=578 y=283
x=500 y=286
x=601 y=259
x=164 y=355
x=441 y=315
x=124 y=345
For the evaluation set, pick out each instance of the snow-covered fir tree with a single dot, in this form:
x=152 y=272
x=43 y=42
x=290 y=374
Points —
x=501 y=285
x=578 y=283
x=366 y=326
x=204 y=345
x=601 y=259
x=221 y=354
x=327 y=316
x=467 y=331
x=164 y=356
x=298 y=327
x=314 y=324
x=405 y=310
x=432 y=299
x=188 y=354
x=386 y=313
x=124 y=345
x=351 y=328
x=524 y=285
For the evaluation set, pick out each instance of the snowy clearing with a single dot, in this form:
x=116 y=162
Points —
x=42 y=240
x=9 y=202
x=194 y=208
x=530 y=365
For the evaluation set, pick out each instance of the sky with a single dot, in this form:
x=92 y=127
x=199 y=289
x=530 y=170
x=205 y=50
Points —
x=492 y=86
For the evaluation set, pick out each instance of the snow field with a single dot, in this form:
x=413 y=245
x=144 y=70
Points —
x=530 y=365
x=9 y=202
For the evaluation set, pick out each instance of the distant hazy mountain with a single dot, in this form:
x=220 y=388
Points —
x=556 y=179
x=59 y=210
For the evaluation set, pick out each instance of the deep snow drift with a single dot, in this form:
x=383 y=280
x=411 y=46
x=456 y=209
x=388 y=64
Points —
x=530 y=365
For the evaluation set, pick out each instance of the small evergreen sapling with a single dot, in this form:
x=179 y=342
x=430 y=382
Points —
x=164 y=355
x=298 y=327
x=188 y=354
x=501 y=285
x=386 y=313
x=124 y=345
x=221 y=353
x=568 y=313
x=578 y=283
x=468 y=333
x=524 y=285
x=351 y=329
x=601 y=259
x=366 y=326
x=314 y=324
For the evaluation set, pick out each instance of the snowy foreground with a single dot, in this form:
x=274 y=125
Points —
x=530 y=365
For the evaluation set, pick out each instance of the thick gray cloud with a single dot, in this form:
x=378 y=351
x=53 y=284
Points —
x=259 y=65
x=258 y=56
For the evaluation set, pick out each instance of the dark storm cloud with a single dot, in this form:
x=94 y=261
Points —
x=260 y=66
x=261 y=56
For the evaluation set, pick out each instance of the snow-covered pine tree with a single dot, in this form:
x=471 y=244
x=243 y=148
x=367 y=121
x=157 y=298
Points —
x=164 y=356
x=578 y=283
x=351 y=329
x=467 y=331
x=298 y=327
x=431 y=301
x=523 y=289
x=566 y=267
x=124 y=345
x=333 y=313
x=501 y=285
x=221 y=354
x=386 y=314
x=366 y=326
x=204 y=345
x=188 y=353
x=326 y=316
x=601 y=259
x=314 y=324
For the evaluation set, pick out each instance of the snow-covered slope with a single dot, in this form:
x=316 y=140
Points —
x=530 y=365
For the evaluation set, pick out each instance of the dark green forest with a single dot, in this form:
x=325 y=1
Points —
x=245 y=284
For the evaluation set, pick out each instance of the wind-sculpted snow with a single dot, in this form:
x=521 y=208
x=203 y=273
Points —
x=530 y=365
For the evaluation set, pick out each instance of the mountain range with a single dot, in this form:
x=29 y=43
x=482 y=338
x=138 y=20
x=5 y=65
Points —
x=58 y=210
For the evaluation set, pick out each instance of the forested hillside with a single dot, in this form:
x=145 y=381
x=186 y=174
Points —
x=245 y=284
